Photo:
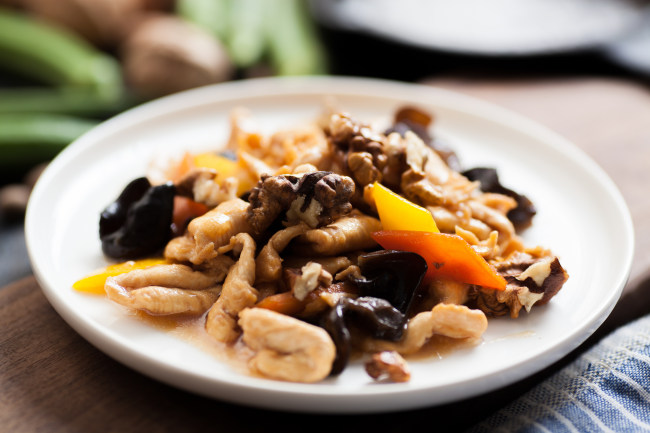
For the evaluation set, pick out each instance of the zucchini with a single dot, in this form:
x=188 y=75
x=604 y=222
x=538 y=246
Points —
x=54 y=56
x=29 y=139
x=62 y=101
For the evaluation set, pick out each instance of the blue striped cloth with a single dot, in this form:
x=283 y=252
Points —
x=606 y=389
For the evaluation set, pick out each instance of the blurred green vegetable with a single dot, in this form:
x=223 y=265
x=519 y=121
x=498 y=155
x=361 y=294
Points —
x=28 y=139
x=212 y=15
x=280 y=31
x=54 y=56
x=63 y=101
x=246 y=40
x=294 y=47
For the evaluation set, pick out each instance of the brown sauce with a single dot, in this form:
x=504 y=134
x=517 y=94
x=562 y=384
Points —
x=192 y=330
x=440 y=346
x=237 y=355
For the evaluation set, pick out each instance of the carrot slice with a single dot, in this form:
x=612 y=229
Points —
x=284 y=303
x=185 y=209
x=448 y=256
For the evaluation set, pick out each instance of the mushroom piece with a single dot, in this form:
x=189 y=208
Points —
x=373 y=316
x=522 y=215
x=163 y=290
x=113 y=217
x=138 y=223
x=454 y=321
x=391 y=275
x=286 y=348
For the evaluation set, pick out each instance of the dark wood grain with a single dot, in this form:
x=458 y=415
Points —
x=51 y=380
x=54 y=381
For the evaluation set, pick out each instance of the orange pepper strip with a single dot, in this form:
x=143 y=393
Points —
x=95 y=283
x=284 y=303
x=448 y=256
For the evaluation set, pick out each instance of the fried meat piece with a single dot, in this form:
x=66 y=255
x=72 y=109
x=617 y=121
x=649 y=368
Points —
x=212 y=230
x=268 y=265
x=164 y=289
x=454 y=321
x=350 y=233
x=237 y=292
x=286 y=348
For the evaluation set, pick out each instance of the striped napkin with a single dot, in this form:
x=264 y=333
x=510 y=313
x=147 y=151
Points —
x=606 y=389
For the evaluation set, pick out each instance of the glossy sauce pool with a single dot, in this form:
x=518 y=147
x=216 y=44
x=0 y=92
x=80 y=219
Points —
x=192 y=330
x=237 y=355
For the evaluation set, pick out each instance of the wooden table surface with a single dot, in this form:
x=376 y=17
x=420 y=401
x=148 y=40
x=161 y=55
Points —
x=52 y=380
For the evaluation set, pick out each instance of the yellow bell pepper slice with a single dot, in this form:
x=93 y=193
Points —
x=95 y=283
x=224 y=167
x=398 y=213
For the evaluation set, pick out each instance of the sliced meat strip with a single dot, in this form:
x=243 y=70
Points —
x=344 y=235
x=237 y=293
x=286 y=348
x=454 y=321
x=164 y=289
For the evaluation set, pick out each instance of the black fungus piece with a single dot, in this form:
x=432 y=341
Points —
x=522 y=215
x=391 y=275
x=374 y=317
x=114 y=216
x=144 y=222
x=412 y=119
x=419 y=121
x=334 y=323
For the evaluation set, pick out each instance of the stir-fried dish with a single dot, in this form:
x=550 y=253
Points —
x=317 y=244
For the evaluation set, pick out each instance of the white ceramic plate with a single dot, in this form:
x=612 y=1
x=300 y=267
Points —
x=497 y=27
x=582 y=217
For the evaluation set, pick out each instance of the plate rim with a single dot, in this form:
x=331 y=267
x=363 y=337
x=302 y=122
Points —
x=330 y=16
x=316 y=85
